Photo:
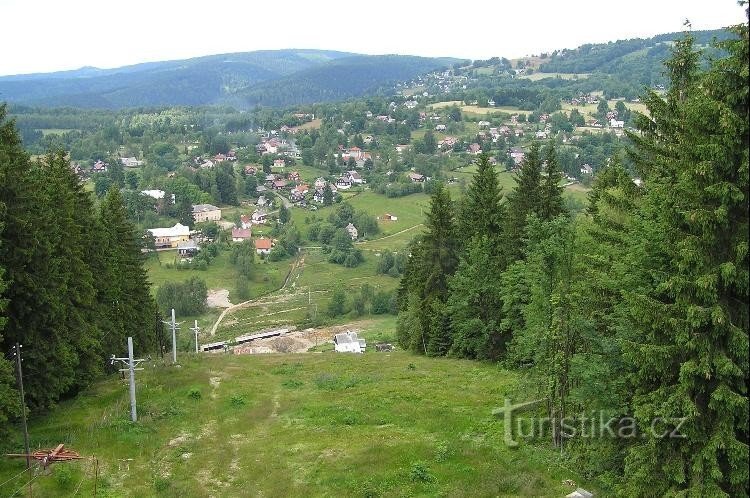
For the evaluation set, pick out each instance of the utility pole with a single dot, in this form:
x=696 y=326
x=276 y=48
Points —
x=196 y=331
x=174 y=325
x=17 y=354
x=131 y=363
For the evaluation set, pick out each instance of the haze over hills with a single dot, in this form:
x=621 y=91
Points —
x=240 y=79
x=279 y=78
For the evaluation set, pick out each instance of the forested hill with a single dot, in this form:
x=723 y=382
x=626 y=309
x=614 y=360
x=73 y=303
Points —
x=343 y=78
x=637 y=57
x=285 y=77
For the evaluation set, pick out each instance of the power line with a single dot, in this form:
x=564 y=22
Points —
x=26 y=484
x=6 y=482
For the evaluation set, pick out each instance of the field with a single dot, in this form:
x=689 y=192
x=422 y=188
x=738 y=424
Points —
x=308 y=290
x=565 y=76
x=326 y=424
x=590 y=109
x=312 y=125
x=219 y=275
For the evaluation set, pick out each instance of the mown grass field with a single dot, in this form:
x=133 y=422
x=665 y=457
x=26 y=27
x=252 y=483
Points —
x=308 y=425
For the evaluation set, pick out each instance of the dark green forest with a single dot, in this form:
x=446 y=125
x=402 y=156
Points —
x=637 y=308
x=73 y=285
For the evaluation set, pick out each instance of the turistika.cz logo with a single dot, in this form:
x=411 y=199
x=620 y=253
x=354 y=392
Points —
x=593 y=425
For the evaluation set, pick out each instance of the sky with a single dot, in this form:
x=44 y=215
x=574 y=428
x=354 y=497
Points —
x=53 y=35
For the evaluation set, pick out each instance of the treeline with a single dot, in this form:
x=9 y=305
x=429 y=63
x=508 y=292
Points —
x=636 y=310
x=73 y=285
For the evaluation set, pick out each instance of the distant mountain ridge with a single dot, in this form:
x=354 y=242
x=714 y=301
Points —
x=268 y=78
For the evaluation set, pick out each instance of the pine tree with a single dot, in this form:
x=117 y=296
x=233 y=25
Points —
x=687 y=319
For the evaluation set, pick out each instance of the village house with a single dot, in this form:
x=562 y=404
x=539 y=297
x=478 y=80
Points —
x=320 y=183
x=614 y=123
x=156 y=194
x=440 y=127
x=353 y=233
x=99 y=167
x=246 y=221
x=207 y=164
x=241 y=234
x=130 y=162
x=416 y=177
x=343 y=183
x=483 y=124
x=388 y=217
x=401 y=148
x=517 y=154
x=293 y=176
x=475 y=149
x=187 y=249
x=206 y=212
x=298 y=193
x=586 y=169
x=279 y=184
x=263 y=246
x=250 y=170
x=354 y=177
x=279 y=163
x=349 y=342
x=259 y=217
x=170 y=237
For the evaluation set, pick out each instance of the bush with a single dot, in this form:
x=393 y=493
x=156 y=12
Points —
x=420 y=473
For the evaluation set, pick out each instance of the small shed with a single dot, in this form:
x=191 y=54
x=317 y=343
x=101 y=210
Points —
x=580 y=493
x=349 y=342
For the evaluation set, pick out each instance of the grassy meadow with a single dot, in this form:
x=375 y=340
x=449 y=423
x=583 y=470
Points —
x=284 y=425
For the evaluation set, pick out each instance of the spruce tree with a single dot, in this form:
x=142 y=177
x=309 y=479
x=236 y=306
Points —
x=481 y=210
x=687 y=318
x=525 y=199
x=551 y=202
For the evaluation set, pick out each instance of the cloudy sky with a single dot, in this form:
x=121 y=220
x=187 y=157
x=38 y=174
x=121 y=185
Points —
x=51 y=35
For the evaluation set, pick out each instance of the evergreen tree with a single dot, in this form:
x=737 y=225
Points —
x=122 y=285
x=482 y=212
x=185 y=211
x=523 y=201
x=474 y=305
x=687 y=318
x=551 y=202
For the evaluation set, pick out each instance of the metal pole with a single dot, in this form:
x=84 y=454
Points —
x=23 y=406
x=195 y=330
x=131 y=367
x=174 y=338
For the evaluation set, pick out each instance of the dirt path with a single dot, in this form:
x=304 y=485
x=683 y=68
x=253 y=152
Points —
x=391 y=235
x=292 y=276
x=218 y=298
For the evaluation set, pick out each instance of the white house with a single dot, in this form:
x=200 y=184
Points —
x=263 y=245
x=614 y=123
x=130 y=162
x=352 y=231
x=156 y=194
x=348 y=342
x=258 y=217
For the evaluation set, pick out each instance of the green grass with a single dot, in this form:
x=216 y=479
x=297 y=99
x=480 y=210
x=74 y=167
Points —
x=378 y=424
x=536 y=76
x=309 y=289
x=220 y=274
